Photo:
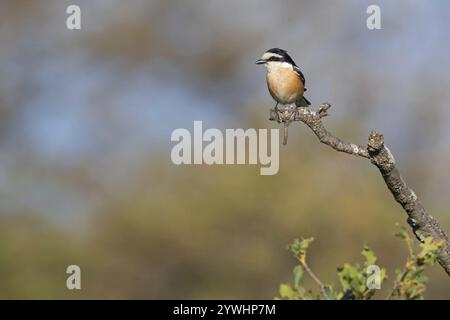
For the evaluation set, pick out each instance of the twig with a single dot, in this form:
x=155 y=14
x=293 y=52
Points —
x=422 y=224
x=314 y=277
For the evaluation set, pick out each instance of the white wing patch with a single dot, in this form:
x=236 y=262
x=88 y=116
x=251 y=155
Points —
x=268 y=55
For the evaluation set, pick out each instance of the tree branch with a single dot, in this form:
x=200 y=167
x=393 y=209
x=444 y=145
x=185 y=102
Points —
x=422 y=224
x=314 y=277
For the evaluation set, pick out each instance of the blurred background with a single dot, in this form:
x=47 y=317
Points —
x=85 y=124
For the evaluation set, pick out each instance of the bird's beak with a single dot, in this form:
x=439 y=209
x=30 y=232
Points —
x=260 y=61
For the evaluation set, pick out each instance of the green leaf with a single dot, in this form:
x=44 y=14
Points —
x=330 y=292
x=370 y=256
x=410 y=283
x=402 y=232
x=299 y=247
x=298 y=276
x=286 y=291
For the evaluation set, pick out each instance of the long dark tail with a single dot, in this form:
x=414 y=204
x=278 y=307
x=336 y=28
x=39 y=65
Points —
x=285 y=133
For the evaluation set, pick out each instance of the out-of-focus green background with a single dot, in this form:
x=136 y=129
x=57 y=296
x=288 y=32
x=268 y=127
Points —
x=85 y=123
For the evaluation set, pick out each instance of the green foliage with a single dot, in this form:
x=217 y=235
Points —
x=355 y=279
x=410 y=282
x=299 y=248
x=361 y=281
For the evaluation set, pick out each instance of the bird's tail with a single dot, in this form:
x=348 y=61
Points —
x=285 y=133
x=303 y=102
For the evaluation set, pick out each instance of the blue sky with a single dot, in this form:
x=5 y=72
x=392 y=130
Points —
x=57 y=83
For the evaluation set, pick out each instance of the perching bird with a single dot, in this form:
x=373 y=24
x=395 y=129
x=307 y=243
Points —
x=285 y=81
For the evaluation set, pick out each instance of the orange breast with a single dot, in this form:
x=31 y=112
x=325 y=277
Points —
x=284 y=85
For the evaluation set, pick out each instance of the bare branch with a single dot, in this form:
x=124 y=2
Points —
x=422 y=224
x=314 y=277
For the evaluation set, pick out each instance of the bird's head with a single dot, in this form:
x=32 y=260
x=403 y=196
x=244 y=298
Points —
x=275 y=56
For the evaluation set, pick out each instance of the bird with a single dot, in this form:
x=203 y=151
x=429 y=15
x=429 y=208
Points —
x=285 y=81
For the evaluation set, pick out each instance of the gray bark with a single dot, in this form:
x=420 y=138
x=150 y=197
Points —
x=423 y=224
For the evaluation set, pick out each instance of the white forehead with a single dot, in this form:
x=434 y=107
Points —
x=268 y=55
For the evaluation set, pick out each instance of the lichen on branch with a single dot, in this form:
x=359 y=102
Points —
x=423 y=224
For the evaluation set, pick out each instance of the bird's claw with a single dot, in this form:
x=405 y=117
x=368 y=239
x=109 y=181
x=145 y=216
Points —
x=279 y=115
x=287 y=114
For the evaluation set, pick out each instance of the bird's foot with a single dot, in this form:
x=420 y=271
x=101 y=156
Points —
x=283 y=114
x=279 y=115
x=286 y=114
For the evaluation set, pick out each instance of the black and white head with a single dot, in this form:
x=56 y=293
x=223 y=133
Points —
x=276 y=57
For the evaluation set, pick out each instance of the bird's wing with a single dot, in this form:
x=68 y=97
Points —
x=300 y=74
